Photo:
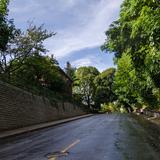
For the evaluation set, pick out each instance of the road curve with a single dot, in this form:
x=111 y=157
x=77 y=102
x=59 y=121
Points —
x=100 y=137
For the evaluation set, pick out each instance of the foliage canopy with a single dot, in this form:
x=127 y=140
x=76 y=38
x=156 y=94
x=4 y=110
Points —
x=135 y=40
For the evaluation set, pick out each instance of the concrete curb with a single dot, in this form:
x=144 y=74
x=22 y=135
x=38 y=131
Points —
x=40 y=126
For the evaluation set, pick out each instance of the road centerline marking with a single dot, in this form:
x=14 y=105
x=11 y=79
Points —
x=64 y=152
x=70 y=146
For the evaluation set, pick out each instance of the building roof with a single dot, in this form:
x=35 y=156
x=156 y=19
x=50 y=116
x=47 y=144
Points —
x=63 y=73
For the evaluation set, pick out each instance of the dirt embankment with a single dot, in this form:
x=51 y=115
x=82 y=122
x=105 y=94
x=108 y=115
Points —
x=152 y=127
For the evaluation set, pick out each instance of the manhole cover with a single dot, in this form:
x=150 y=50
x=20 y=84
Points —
x=54 y=155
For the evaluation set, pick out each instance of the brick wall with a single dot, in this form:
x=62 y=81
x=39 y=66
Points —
x=19 y=108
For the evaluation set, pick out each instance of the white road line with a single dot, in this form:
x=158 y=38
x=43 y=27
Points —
x=70 y=146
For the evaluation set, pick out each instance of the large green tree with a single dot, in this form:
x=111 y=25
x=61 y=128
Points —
x=126 y=85
x=137 y=34
x=84 y=84
x=3 y=7
x=7 y=28
x=104 y=87
x=38 y=71
x=22 y=46
x=22 y=57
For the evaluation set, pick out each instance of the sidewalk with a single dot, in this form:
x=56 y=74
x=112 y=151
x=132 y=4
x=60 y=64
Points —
x=40 y=126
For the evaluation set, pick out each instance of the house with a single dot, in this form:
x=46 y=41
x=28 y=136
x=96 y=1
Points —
x=68 y=82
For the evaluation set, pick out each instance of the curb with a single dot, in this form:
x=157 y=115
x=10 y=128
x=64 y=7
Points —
x=40 y=126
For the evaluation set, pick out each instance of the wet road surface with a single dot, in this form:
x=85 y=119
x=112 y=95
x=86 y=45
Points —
x=100 y=137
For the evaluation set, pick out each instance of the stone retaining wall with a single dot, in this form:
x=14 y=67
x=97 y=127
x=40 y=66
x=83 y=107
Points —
x=19 y=108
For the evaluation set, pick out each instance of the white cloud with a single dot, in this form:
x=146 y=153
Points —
x=79 y=23
x=91 y=61
x=89 y=32
x=82 y=62
x=20 y=6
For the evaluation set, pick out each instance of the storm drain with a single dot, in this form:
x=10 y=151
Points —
x=55 y=155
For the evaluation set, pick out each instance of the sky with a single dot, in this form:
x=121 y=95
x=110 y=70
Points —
x=80 y=26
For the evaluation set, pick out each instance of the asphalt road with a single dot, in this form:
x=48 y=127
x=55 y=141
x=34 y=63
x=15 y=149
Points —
x=100 y=137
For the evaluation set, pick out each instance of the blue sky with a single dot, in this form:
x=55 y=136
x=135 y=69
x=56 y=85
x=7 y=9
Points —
x=79 y=24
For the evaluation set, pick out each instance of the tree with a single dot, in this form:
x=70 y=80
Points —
x=7 y=28
x=7 y=33
x=38 y=71
x=126 y=86
x=22 y=57
x=137 y=34
x=3 y=7
x=22 y=46
x=104 y=87
x=84 y=84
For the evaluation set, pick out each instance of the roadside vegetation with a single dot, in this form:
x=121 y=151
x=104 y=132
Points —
x=134 y=39
x=24 y=63
x=23 y=58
